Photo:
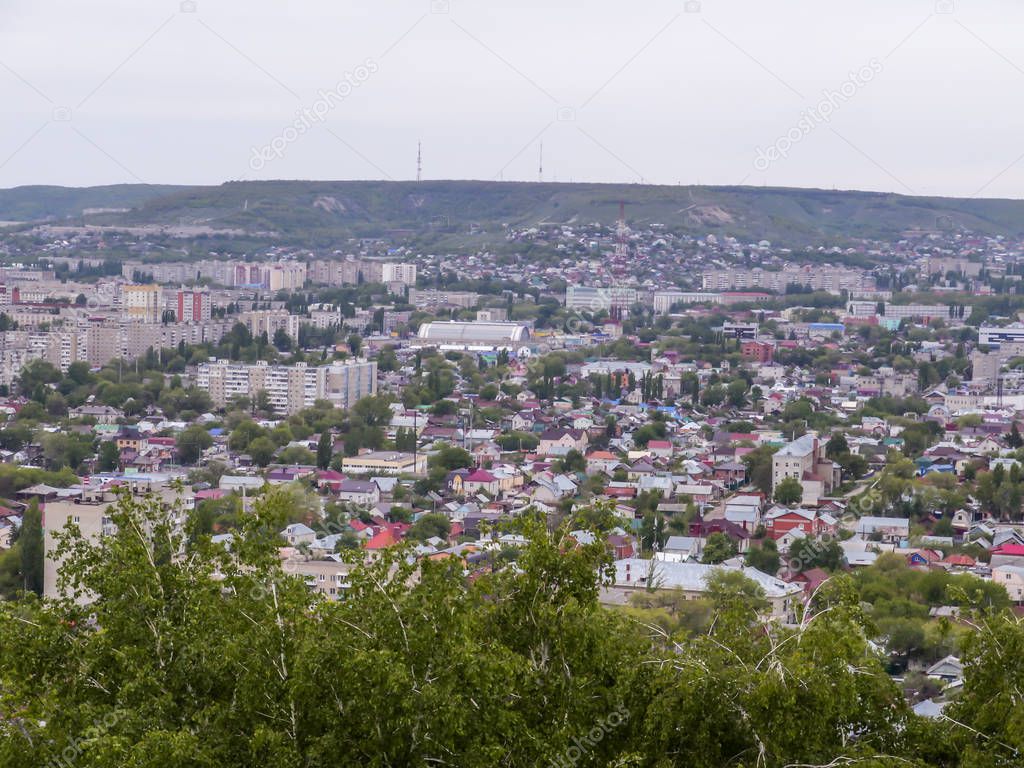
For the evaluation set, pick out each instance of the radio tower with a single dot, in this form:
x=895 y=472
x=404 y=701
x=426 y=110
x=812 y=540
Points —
x=540 y=163
x=419 y=161
x=620 y=232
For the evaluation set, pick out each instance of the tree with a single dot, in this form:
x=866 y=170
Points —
x=764 y=557
x=718 y=547
x=110 y=457
x=836 y=445
x=297 y=454
x=429 y=526
x=573 y=461
x=355 y=344
x=759 y=467
x=282 y=340
x=789 y=491
x=31 y=544
x=805 y=554
x=192 y=442
x=223 y=658
x=1014 y=439
x=261 y=450
x=324 y=450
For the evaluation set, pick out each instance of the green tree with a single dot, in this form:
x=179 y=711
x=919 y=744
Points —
x=428 y=526
x=717 y=548
x=192 y=442
x=109 y=457
x=789 y=491
x=764 y=557
x=836 y=445
x=31 y=544
x=261 y=450
x=324 y=450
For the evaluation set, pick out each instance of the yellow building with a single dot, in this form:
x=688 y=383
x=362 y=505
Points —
x=141 y=303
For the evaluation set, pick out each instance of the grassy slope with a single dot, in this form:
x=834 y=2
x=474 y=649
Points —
x=327 y=210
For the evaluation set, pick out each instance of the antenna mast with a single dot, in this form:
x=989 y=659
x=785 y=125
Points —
x=540 y=163
x=419 y=161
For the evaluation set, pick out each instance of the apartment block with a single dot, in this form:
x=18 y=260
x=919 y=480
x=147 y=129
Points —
x=583 y=297
x=193 y=305
x=290 y=388
x=141 y=303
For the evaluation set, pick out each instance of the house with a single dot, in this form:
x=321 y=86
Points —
x=704 y=528
x=634 y=574
x=601 y=461
x=1012 y=579
x=1007 y=554
x=887 y=529
x=744 y=510
x=732 y=473
x=102 y=414
x=811 y=579
x=480 y=480
x=298 y=533
x=329 y=479
x=661 y=449
x=328 y=577
x=804 y=459
x=558 y=442
x=778 y=521
x=385 y=463
x=949 y=670
x=678 y=549
x=363 y=492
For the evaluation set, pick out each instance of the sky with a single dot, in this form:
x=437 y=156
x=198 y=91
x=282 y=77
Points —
x=914 y=97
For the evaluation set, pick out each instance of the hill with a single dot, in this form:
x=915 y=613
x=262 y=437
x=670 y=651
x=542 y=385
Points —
x=319 y=212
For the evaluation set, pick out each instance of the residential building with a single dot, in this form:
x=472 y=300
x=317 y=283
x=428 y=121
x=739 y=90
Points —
x=193 y=305
x=290 y=388
x=141 y=303
x=804 y=459
x=385 y=463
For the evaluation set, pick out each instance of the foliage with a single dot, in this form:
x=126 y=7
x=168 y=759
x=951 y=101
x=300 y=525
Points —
x=789 y=491
x=718 y=547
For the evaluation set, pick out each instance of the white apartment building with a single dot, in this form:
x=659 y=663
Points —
x=665 y=300
x=816 y=277
x=590 y=299
x=290 y=388
x=399 y=273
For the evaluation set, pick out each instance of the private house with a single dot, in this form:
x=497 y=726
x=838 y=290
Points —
x=891 y=530
x=634 y=574
x=362 y=492
x=1012 y=579
x=558 y=442
x=298 y=533
x=480 y=480
x=661 y=449
x=948 y=670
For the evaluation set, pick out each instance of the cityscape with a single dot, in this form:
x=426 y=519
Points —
x=515 y=471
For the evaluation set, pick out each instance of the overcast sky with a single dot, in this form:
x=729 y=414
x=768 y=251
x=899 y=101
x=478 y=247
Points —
x=914 y=96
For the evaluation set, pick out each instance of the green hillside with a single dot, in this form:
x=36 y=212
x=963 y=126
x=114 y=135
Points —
x=320 y=211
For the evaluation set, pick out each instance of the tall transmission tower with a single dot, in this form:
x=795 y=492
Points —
x=419 y=161
x=540 y=163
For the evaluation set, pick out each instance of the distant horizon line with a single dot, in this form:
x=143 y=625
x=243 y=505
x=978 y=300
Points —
x=524 y=182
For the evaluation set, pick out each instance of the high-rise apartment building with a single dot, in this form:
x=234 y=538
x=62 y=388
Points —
x=289 y=388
